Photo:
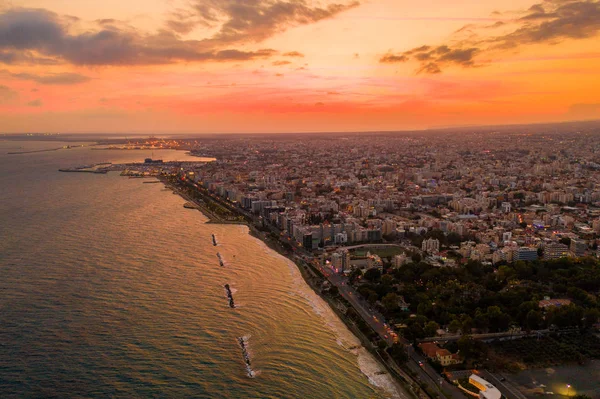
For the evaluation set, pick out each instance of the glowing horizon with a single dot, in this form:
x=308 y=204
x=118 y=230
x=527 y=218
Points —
x=210 y=66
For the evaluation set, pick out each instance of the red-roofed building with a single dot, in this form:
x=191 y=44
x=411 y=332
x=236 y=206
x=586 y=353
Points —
x=442 y=356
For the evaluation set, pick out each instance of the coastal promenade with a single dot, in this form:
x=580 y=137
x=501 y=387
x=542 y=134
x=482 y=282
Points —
x=304 y=260
x=417 y=365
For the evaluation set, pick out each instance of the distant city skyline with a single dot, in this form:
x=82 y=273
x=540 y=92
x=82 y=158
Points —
x=232 y=66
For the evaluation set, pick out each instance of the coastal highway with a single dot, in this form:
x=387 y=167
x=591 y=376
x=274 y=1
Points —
x=425 y=373
x=417 y=363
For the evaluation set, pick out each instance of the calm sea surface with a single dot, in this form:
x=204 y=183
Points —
x=110 y=288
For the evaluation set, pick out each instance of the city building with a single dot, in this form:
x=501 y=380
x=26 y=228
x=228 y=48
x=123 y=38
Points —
x=555 y=250
x=486 y=390
x=578 y=247
x=525 y=253
x=437 y=354
x=431 y=245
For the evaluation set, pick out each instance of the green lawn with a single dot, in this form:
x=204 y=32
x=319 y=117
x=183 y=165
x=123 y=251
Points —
x=382 y=252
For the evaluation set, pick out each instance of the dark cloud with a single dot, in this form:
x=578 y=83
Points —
x=106 y=21
x=417 y=50
x=554 y=21
x=7 y=94
x=253 y=20
x=430 y=68
x=432 y=59
x=28 y=30
x=24 y=57
x=550 y=21
x=463 y=56
x=35 y=103
x=393 y=58
x=40 y=36
x=65 y=78
x=50 y=79
x=183 y=21
x=293 y=54
x=232 y=55
x=280 y=63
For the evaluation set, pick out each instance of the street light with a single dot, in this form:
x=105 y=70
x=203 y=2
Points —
x=568 y=389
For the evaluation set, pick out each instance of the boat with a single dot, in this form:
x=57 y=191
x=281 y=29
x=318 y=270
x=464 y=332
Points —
x=220 y=259
x=214 y=240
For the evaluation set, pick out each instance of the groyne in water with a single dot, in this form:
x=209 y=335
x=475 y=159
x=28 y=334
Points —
x=229 y=296
x=243 y=341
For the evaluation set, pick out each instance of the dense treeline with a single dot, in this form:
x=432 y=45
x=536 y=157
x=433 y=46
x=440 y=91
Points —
x=476 y=296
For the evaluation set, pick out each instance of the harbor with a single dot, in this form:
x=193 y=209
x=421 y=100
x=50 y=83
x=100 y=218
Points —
x=147 y=169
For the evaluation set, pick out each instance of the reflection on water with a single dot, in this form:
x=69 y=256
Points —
x=111 y=288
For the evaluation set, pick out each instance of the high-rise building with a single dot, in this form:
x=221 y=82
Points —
x=431 y=246
x=388 y=227
x=400 y=260
x=578 y=247
x=336 y=262
x=555 y=250
x=345 y=259
x=525 y=253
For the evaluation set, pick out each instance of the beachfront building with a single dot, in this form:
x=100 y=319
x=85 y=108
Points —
x=486 y=390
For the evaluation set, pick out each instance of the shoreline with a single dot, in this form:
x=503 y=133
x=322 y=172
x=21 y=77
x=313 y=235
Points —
x=402 y=387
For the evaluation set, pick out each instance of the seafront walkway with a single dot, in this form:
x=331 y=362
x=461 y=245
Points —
x=417 y=365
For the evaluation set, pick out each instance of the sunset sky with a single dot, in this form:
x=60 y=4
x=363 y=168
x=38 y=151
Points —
x=187 y=66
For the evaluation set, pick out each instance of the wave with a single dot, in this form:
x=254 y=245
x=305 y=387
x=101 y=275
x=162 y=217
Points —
x=367 y=364
x=373 y=370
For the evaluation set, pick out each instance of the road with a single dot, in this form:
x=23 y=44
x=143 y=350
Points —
x=417 y=363
x=425 y=373
x=505 y=386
